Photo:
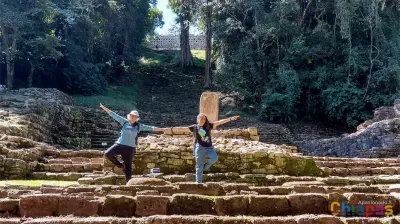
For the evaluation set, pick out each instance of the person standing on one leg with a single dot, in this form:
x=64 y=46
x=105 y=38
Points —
x=127 y=141
x=203 y=145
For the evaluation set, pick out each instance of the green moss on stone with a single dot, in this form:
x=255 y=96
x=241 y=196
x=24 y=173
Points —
x=302 y=167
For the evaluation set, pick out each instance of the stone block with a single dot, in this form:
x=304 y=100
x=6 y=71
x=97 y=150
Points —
x=147 y=205
x=77 y=206
x=268 y=205
x=232 y=205
x=185 y=204
x=39 y=205
x=209 y=105
x=118 y=205
x=308 y=204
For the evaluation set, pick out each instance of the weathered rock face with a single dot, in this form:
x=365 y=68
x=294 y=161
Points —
x=379 y=137
x=50 y=116
x=209 y=105
x=19 y=156
x=29 y=113
x=175 y=156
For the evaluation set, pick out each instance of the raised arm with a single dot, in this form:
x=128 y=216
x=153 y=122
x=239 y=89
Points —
x=224 y=121
x=172 y=128
x=105 y=109
x=116 y=117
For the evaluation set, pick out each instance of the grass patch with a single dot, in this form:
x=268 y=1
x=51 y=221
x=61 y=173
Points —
x=116 y=97
x=170 y=58
x=153 y=58
x=124 y=97
x=37 y=182
x=199 y=57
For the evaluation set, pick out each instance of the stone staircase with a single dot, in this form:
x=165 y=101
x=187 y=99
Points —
x=252 y=183
x=245 y=196
x=176 y=199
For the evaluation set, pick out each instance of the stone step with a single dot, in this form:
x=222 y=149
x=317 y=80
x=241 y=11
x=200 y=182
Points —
x=43 y=205
x=100 y=147
x=81 y=153
x=203 y=219
x=223 y=189
x=361 y=171
x=341 y=159
x=57 y=176
x=75 y=160
x=341 y=164
x=66 y=168
x=252 y=179
x=209 y=189
x=102 y=137
x=109 y=143
x=109 y=134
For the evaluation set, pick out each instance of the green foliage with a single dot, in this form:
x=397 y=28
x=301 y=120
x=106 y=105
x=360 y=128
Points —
x=323 y=59
x=76 y=46
x=345 y=103
x=280 y=97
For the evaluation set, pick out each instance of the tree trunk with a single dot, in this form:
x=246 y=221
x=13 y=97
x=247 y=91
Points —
x=186 y=55
x=9 y=51
x=208 y=83
x=10 y=75
x=30 y=77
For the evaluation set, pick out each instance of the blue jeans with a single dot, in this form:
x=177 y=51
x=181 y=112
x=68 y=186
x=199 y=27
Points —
x=200 y=154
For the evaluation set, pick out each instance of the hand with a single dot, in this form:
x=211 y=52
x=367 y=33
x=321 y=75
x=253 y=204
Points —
x=162 y=129
x=105 y=108
x=234 y=118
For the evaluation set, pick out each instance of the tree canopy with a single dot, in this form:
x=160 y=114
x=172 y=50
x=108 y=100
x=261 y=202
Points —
x=333 y=59
x=76 y=46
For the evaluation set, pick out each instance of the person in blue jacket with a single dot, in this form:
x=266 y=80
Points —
x=126 y=143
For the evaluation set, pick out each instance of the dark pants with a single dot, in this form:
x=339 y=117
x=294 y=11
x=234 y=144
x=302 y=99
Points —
x=127 y=153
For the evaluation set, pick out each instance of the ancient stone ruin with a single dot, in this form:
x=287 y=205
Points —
x=45 y=136
x=375 y=138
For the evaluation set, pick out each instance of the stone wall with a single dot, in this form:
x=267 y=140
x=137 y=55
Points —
x=29 y=113
x=175 y=156
x=49 y=116
x=381 y=139
x=375 y=138
x=39 y=96
x=171 y=42
x=19 y=156
x=383 y=113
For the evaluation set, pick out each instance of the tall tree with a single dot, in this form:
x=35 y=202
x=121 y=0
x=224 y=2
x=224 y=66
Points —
x=185 y=9
x=334 y=59
x=13 y=20
x=208 y=78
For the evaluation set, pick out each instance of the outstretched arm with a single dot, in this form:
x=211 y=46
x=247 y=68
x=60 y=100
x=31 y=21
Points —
x=105 y=109
x=116 y=117
x=224 y=121
x=172 y=129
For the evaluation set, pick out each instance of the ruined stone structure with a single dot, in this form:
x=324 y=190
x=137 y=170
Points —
x=209 y=105
x=171 y=42
x=251 y=183
x=379 y=137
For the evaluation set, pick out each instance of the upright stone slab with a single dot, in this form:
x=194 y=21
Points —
x=209 y=105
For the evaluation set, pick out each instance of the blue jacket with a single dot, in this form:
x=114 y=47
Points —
x=128 y=132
